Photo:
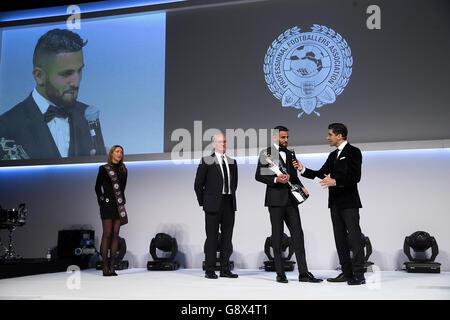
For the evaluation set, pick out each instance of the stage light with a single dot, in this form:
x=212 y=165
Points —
x=119 y=263
x=165 y=243
x=286 y=244
x=219 y=248
x=421 y=241
x=367 y=252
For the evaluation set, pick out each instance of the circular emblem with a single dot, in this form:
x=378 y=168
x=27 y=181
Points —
x=123 y=214
x=116 y=186
x=107 y=200
x=119 y=200
x=306 y=70
x=112 y=173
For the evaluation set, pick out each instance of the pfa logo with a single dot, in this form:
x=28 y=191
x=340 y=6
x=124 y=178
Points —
x=307 y=70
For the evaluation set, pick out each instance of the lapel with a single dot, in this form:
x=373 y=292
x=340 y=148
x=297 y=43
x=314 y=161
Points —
x=344 y=151
x=39 y=139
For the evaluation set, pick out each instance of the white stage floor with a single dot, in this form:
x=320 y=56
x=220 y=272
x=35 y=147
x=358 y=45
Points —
x=190 y=284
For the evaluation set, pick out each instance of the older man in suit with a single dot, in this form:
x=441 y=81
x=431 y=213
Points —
x=50 y=122
x=341 y=174
x=215 y=186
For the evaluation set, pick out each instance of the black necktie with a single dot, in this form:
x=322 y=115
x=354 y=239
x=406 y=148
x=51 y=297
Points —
x=225 y=174
x=55 y=112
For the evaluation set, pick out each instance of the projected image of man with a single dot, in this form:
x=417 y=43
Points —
x=50 y=122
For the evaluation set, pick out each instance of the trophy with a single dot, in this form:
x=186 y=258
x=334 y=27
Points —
x=300 y=193
x=14 y=152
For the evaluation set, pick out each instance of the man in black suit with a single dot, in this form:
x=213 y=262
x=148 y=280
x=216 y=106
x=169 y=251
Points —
x=341 y=174
x=50 y=122
x=283 y=207
x=215 y=186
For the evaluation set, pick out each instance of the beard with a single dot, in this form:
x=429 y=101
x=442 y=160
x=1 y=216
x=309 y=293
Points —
x=60 y=99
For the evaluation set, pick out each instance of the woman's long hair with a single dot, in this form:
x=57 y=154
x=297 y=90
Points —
x=110 y=162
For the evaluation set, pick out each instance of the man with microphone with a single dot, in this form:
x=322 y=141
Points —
x=283 y=208
x=50 y=122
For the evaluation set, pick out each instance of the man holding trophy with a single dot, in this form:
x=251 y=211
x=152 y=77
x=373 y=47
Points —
x=284 y=192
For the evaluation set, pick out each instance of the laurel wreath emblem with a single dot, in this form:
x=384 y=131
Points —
x=342 y=44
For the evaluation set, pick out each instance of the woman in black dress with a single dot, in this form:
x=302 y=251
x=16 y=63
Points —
x=108 y=207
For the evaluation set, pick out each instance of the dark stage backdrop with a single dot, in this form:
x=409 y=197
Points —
x=249 y=65
x=397 y=89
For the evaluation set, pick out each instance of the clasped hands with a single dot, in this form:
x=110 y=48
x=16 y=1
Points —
x=325 y=183
x=283 y=178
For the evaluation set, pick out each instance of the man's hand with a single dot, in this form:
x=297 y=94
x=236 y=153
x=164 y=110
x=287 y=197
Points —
x=283 y=178
x=327 y=182
x=297 y=165
x=305 y=191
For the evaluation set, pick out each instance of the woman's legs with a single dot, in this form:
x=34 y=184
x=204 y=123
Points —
x=114 y=243
x=106 y=241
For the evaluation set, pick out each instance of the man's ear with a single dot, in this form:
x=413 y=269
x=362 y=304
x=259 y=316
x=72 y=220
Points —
x=39 y=76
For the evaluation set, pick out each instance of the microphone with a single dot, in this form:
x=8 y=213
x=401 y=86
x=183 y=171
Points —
x=92 y=115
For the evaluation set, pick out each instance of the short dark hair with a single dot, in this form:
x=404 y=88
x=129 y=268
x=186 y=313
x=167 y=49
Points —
x=57 y=41
x=281 y=128
x=339 y=128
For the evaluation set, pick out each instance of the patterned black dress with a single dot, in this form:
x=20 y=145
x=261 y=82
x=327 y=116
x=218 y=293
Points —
x=105 y=194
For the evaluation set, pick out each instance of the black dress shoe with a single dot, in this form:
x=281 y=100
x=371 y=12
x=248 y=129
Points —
x=340 y=278
x=211 y=275
x=308 y=277
x=228 y=274
x=282 y=278
x=356 y=280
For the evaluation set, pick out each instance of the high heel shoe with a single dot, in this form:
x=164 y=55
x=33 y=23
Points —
x=106 y=271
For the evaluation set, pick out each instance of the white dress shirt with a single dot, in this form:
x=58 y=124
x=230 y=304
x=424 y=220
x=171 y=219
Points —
x=59 y=128
x=341 y=146
x=219 y=159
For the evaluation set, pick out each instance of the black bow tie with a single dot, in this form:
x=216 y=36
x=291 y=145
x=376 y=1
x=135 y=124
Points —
x=284 y=149
x=55 y=112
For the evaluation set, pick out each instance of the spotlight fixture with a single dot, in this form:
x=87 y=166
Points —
x=167 y=244
x=367 y=252
x=219 y=248
x=420 y=242
x=119 y=263
x=286 y=244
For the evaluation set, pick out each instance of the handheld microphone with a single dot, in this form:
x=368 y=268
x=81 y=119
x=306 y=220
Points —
x=92 y=115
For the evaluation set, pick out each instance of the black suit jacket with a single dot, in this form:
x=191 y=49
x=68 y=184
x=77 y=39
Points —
x=208 y=183
x=346 y=170
x=104 y=188
x=277 y=194
x=25 y=124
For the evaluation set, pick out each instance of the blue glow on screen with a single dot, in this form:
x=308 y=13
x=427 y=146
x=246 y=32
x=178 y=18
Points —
x=11 y=171
x=84 y=8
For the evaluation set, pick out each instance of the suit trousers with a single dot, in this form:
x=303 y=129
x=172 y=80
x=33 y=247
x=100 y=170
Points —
x=291 y=216
x=348 y=236
x=224 y=218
